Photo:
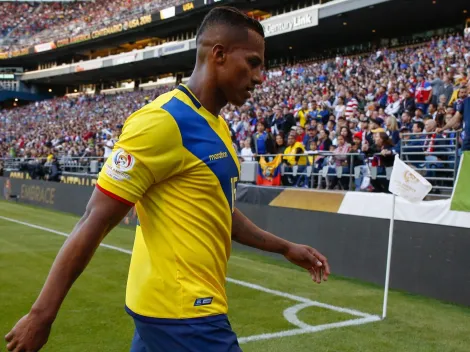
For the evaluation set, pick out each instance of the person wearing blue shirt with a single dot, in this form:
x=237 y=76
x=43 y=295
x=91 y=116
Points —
x=262 y=141
x=415 y=142
x=324 y=113
x=311 y=136
x=462 y=114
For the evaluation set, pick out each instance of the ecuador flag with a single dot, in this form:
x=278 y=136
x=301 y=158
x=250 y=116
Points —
x=269 y=173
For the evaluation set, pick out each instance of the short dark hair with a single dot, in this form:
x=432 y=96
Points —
x=229 y=16
x=420 y=125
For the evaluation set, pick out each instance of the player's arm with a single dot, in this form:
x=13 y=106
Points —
x=102 y=214
x=139 y=160
x=245 y=232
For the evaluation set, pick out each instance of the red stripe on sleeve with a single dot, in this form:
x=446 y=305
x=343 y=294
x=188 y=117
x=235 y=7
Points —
x=112 y=195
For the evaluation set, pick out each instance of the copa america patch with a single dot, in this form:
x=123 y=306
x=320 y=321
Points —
x=122 y=160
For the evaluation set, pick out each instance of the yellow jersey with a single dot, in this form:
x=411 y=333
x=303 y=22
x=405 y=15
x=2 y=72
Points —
x=293 y=150
x=175 y=161
x=303 y=117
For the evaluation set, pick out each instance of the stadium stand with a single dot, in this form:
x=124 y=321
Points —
x=25 y=24
x=361 y=104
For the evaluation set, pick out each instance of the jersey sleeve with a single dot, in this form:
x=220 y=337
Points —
x=148 y=152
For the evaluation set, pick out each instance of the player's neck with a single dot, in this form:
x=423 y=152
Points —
x=203 y=87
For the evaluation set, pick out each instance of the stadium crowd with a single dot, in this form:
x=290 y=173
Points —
x=362 y=104
x=25 y=24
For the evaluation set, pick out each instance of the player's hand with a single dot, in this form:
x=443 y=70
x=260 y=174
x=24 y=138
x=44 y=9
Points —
x=439 y=130
x=310 y=259
x=28 y=335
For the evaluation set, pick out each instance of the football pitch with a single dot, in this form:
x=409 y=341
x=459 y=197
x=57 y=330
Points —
x=273 y=306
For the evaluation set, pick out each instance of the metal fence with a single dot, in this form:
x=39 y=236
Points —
x=68 y=165
x=436 y=157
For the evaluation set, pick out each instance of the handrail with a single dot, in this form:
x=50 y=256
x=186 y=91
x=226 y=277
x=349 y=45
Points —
x=427 y=133
x=438 y=172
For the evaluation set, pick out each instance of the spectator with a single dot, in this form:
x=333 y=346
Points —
x=262 y=141
x=392 y=129
x=341 y=163
x=394 y=106
x=424 y=93
x=447 y=89
x=293 y=159
x=383 y=157
x=311 y=136
x=280 y=146
x=407 y=104
x=346 y=133
x=302 y=114
x=351 y=105
x=247 y=153
x=406 y=120
x=340 y=108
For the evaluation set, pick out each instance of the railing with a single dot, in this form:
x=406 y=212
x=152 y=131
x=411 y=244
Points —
x=346 y=175
x=438 y=166
x=68 y=165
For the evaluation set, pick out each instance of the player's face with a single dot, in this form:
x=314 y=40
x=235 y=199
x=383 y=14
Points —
x=241 y=71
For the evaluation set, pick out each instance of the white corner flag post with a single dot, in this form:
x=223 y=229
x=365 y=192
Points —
x=389 y=257
x=406 y=183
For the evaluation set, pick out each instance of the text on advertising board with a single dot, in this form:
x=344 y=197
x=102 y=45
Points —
x=124 y=26
x=38 y=194
x=21 y=52
x=117 y=28
x=300 y=20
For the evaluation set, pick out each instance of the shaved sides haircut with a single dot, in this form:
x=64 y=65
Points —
x=230 y=17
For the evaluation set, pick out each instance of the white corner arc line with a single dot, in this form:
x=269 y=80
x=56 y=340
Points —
x=290 y=314
x=311 y=329
x=300 y=299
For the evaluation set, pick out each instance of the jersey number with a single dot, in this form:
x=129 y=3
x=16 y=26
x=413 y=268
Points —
x=233 y=182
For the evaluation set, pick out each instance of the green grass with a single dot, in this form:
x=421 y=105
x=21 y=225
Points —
x=92 y=317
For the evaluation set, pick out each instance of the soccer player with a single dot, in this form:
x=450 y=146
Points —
x=175 y=162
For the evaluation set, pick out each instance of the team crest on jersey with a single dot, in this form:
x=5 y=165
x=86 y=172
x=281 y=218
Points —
x=123 y=161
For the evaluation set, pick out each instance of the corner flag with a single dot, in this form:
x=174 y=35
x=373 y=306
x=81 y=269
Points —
x=407 y=183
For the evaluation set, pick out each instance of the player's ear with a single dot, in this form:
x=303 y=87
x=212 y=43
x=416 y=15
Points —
x=218 y=53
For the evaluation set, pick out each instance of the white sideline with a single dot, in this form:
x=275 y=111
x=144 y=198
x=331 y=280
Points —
x=290 y=314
